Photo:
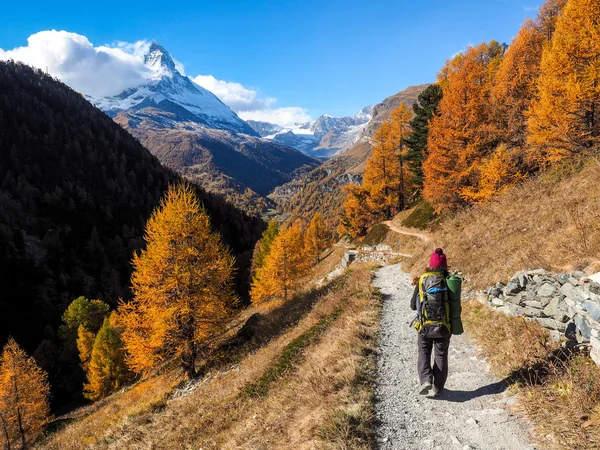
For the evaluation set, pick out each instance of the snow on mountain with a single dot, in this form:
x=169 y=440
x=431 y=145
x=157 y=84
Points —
x=325 y=137
x=170 y=91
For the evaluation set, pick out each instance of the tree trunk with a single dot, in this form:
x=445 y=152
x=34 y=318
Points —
x=4 y=427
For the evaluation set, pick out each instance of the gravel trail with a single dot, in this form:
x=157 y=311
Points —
x=472 y=413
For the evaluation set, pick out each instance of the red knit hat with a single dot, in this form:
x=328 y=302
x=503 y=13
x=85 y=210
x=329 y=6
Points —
x=438 y=259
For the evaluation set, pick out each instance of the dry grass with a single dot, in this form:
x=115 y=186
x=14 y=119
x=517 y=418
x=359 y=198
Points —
x=566 y=407
x=503 y=338
x=560 y=389
x=320 y=398
x=549 y=222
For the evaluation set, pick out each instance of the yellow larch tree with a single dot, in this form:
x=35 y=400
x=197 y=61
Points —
x=85 y=344
x=182 y=286
x=565 y=116
x=462 y=134
x=496 y=174
x=515 y=83
x=24 y=394
x=385 y=178
x=356 y=215
x=316 y=239
x=284 y=266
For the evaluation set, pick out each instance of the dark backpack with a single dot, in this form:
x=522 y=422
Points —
x=433 y=311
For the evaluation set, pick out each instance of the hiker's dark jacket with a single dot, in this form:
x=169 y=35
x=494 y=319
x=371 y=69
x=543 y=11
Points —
x=415 y=297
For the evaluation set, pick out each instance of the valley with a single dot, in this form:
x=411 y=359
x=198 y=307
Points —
x=195 y=254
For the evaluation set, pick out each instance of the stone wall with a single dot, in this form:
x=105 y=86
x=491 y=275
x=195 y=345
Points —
x=566 y=304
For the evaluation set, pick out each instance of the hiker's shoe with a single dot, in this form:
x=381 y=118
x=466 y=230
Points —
x=436 y=392
x=425 y=388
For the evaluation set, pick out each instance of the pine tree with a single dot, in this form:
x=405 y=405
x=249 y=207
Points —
x=316 y=239
x=462 y=134
x=356 y=216
x=82 y=312
x=107 y=370
x=278 y=279
x=564 y=118
x=24 y=393
x=416 y=142
x=182 y=286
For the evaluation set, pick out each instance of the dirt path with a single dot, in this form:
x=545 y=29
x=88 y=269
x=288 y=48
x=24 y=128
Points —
x=471 y=414
x=405 y=231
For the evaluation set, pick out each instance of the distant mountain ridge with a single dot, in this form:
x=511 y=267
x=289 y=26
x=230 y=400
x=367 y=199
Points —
x=323 y=138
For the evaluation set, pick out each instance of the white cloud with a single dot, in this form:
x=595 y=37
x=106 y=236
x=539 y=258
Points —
x=110 y=69
x=285 y=116
x=71 y=57
x=250 y=105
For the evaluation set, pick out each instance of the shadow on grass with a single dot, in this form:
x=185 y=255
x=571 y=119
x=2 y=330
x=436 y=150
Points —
x=261 y=328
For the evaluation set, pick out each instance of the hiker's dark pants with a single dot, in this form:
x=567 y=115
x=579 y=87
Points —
x=439 y=373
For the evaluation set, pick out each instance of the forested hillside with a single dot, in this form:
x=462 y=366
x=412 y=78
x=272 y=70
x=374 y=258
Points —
x=76 y=191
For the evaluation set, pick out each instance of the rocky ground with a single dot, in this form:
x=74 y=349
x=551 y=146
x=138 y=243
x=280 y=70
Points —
x=474 y=411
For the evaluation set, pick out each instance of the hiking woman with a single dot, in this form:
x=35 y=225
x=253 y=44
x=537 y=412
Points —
x=430 y=300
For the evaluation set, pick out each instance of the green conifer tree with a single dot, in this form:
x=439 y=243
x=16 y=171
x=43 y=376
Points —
x=424 y=109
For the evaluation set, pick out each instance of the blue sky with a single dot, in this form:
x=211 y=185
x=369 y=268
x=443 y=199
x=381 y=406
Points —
x=324 y=56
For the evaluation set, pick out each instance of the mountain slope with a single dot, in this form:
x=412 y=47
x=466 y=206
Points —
x=75 y=192
x=243 y=168
x=320 y=190
x=190 y=130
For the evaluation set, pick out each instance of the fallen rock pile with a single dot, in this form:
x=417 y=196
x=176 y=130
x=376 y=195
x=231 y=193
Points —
x=566 y=304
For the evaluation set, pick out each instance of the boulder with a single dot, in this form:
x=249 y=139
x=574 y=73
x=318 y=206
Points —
x=533 y=304
x=546 y=290
x=568 y=290
x=512 y=288
x=582 y=292
x=578 y=274
x=595 y=352
x=497 y=302
x=552 y=308
x=506 y=309
x=518 y=299
x=551 y=324
x=537 y=272
x=545 y=301
x=593 y=308
x=583 y=327
x=562 y=278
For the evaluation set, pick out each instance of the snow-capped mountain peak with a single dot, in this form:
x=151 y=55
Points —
x=324 y=137
x=159 y=60
x=170 y=91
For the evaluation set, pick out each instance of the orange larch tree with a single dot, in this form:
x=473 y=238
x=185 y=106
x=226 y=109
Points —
x=278 y=279
x=565 y=116
x=515 y=84
x=385 y=178
x=24 y=394
x=462 y=134
x=356 y=215
x=316 y=239
x=182 y=286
